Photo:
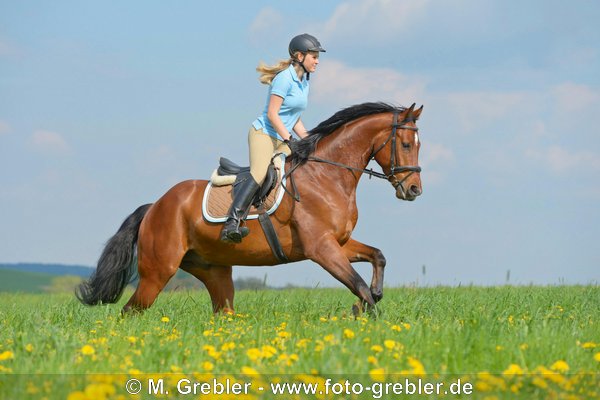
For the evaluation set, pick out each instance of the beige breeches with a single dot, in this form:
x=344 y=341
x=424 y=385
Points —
x=262 y=147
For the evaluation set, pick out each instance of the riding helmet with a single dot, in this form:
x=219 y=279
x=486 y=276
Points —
x=304 y=43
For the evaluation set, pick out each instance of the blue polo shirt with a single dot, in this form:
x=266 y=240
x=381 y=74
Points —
x=295 y=99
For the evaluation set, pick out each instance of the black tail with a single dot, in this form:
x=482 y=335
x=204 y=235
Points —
x=115 y=266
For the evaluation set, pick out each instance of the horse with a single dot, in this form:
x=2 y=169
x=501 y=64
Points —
x=314 y=222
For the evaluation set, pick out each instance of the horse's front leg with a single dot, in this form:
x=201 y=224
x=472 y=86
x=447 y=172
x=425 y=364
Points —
x=331 y=256
x=357 y=252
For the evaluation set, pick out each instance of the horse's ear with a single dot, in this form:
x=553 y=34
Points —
x=408 y=117
x=417 y=113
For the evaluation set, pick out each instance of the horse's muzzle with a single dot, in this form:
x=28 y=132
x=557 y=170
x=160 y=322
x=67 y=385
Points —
x=409 y=194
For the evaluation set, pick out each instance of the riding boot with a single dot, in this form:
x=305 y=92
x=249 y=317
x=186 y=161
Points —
x=243 y=195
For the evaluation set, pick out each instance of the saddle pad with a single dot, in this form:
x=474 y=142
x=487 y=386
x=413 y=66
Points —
x=217 y=199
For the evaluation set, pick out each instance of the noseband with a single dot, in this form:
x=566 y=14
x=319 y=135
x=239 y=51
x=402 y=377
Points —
x=394 y=168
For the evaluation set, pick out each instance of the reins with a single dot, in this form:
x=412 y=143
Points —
x=394 y=169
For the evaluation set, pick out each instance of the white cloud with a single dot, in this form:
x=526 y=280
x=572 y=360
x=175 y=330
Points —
x=49 y=142
x=366 y=20
x=4 y=128
x=573 y=97
x=268 y=23
x=560 y=159
x=337 y=83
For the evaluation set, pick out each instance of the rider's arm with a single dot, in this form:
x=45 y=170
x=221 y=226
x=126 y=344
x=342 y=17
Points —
x=275 y=103
x=300 y=129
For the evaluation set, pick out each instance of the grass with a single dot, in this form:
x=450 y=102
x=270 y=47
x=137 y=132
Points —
x=526 y=342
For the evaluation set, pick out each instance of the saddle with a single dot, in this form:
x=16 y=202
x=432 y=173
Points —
x=219 y=193
x=229 y=168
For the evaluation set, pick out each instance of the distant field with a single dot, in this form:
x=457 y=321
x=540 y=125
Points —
x=507 y=342
x=20 y=281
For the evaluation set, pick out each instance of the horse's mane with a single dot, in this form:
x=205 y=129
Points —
x=302 y=149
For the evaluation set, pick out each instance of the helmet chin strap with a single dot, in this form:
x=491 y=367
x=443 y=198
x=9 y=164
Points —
x=303 y=67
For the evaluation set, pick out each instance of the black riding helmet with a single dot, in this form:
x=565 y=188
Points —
x=304 y=43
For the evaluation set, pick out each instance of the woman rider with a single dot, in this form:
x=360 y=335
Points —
x=271 y=131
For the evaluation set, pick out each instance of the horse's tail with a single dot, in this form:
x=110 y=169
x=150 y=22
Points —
x=115 y=266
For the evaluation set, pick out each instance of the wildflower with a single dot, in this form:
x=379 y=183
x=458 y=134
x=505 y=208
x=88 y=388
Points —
x=284 y=334
x=329 y=338
x=87 y=350
x=228 y=346
x=406 y=325
x=396 y=328
x=29 y=347
x=348 y=334
x=524 y=346
x=372 y=360
x=249 y=371
x=165 y=319
x=377 y=348
x=7 y=355
x=253 y=354
x=377 y=374
x=389 y=344
x=416 y=365
x=268 y=351
x=588 y=345
x=132 y=339
x=78 y=395
x=560 y=366
x=207 y=366
x=513 y=369
x=597 y=356
x=539 y=382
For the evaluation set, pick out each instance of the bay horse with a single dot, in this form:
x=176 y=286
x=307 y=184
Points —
x=327 y=165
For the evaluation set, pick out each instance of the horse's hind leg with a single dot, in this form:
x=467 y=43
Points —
x=154 y=270
x=219 y=283
x=356 y=252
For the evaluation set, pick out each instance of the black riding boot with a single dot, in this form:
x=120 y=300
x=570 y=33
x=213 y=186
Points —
x=243 y=195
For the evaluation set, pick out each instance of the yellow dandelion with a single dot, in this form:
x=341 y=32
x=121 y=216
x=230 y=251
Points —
x=560 y=366
x=416 y=365
x=78 y=395
x=29 y=347
x=249 y=371
x=389 y=344
x=87 y=350
x=597 y=356
x=589 y=345
x=539 y=382
x=132 y=339
x=372 y=360
x=524 y=346
x=396 y=328
x=7 y=355
x=207 y=366
x=377 y=374
x=284 y=334
x=513 y=369
x=376 y=348
x=323 y=319
x=253 y=354
x=268 y=351
x=329 y=338
x=406 y=325
x=165 y=319
x=348 y=334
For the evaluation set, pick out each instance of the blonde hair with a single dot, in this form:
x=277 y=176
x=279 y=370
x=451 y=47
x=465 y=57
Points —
x=268 y=72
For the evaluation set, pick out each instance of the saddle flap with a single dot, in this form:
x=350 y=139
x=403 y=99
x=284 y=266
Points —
x=266 y=187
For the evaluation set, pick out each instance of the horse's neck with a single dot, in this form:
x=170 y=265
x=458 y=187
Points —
x=352 y=144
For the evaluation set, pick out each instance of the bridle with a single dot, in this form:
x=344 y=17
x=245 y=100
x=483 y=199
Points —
x=394 y=168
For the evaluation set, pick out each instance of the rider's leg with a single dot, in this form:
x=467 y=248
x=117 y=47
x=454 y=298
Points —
x=261 y=148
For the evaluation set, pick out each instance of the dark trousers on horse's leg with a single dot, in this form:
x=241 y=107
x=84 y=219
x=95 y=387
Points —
x=242 y=199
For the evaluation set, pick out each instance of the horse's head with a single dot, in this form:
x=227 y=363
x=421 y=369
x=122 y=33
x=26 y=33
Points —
x=398 y=154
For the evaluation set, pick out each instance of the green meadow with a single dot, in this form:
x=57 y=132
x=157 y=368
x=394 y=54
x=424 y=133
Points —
x=504 y=342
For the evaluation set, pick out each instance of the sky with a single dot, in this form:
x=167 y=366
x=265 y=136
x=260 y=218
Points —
x=105 y=105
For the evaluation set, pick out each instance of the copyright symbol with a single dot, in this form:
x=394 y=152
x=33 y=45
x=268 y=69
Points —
x=133 y=386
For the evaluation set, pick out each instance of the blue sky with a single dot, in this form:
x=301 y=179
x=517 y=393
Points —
x=105 y=105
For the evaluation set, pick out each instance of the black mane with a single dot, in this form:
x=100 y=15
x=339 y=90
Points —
x=302 y=149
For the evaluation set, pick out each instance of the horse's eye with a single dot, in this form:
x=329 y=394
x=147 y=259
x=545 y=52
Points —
x=406 y=145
